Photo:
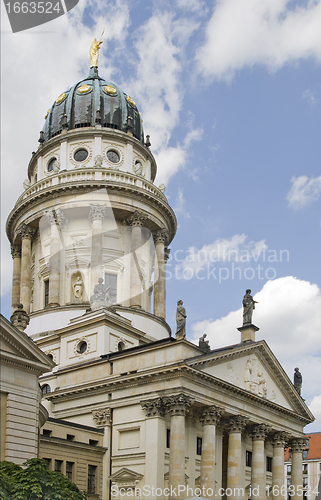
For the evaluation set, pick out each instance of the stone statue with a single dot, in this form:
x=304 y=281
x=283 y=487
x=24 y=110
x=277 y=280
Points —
x=204 y=344
x=56 y=167
x=98 y=161
x=180 y=321
x=138 y=169
x=94 y=52
x=248 y=306
x=162 y=188
x=262 y=388
x=77 y=288
x=248 y=375
x=297 y=380
x=101 y=296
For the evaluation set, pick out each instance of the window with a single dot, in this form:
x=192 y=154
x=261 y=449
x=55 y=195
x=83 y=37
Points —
x=51 y=164
x=46 y=283
x=121 y=346
x=69 y=468
x=288 y=482
x=305 y=482
x=45 y=389
x=248 y=459
x=93 y=442
x=82 y=347
x=46 y=432
x=58 y=465
x=48 y=462
x=198 y=446
x=81 y=154
x=305 y=468
x=288 y=469
x=91 y=479
x=168 y=438
x=305 y=454
x=70 y=437
x=111 y=281
x=268 y=464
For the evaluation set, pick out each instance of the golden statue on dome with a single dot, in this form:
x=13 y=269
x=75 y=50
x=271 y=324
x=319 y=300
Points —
x=94 y=51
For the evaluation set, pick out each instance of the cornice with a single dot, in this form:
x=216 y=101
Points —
x=72 y=444
x=26 y=364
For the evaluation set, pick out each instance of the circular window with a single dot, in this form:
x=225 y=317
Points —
x=45 y=389
x=113 y=156
x=51 y=164
x=82 y=347
x=81 y=154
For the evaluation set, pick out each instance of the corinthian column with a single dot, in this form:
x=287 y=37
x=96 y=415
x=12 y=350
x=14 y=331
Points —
x=96 y=216
x=155 y=443
x=297 y=446
x=57 y=221
x=258 y=474
x=16 y=272
x=177 y=406
x=279 y=440
x=160 y=238
x=26 y=233
x=236 y=426
x=210 y=418
x=136 y=220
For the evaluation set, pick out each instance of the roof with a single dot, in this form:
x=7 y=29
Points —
x=314 y=447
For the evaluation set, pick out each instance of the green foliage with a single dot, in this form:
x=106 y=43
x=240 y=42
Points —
x=35 y=482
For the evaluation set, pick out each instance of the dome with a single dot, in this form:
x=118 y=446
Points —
x=77 y=107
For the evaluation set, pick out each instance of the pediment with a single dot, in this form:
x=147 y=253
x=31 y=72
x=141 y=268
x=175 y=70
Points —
x=255 y=369
x=125 y=475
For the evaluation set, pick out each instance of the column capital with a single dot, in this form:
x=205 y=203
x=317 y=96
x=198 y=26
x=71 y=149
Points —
x=102 y=416
x=26 y=232
x=280 y=438
x=160 y=236
x=136 y=219
x=237 y=423
x=177 y=404
x=298 y=444
x=15 y=251
x=97 y=212
x=167 y=251
x=260 y=431
x=50 y=214
x=56 y=217
x=153 y=407
x=61 y=218
x=211 y=415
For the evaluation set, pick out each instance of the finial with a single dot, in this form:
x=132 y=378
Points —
x=94 y=51
x=64 y=122
x=98 y=117
x=148 y=143
x=20 y=318
x=129 y=123
x=41 y=138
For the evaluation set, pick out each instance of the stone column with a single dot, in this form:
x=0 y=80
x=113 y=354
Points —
x=177 y=406
x=279 y=440
x=16 y=273
x=136 y=221
x=155 y=431
x=96 y=216
x=258 y=472
x=297 y=446
x=103 y=419
x=26 y=233
x=160 y=238
x=210 y=418
x=236 y=426
x=57 y=221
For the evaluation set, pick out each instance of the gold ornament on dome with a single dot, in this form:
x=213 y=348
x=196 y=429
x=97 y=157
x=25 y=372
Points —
x=60 y=98
x=83 y=89
x=110 y=89
x=130 y=100
x=47 y=113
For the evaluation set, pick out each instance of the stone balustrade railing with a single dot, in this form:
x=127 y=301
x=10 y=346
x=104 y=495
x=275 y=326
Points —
x=91 y=174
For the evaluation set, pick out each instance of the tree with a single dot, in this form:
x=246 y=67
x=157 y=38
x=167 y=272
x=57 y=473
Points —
x=35 y=482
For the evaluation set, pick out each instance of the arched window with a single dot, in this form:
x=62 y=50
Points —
x=45 y=389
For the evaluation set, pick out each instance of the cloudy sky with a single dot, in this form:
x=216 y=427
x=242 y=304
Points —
x=230 y=93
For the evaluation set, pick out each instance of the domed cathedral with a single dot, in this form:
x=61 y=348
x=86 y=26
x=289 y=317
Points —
x=133 y=410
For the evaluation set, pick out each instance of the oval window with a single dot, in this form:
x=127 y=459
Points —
x=82 y=347
x=81 y=154
x=51 y=164
x=113 y=156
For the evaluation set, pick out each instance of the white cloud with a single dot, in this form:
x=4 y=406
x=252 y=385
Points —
x=266 y=32
x=304 y=191
x=310 y=96
x=180 y=205
x=315 y=407
x=289 y=317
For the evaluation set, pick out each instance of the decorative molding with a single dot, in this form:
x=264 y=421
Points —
x=120 y=151
x=80 y=145
x=211 y=415
x=237 y=424
x=97 y=212
x=77 y=342
x=16 y=251
x=280 y=439
x=260 y=431
x=161 y=236
x=153 y=407
x=298 y=444
x=102 y=416
x=136 y=219
x=26 y=232
x=177 y=405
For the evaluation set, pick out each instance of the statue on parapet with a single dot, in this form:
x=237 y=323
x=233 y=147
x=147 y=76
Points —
x=297 y=380
x=204 y=344
x=180 y=321
x=248 y=307
x=101 y=296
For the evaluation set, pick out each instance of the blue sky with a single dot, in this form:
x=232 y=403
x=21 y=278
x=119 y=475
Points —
x=230 y=93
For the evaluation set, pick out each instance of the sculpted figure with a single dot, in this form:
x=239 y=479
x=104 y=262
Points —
x=248 y=375
x=180 y=321
x=26 y=184
x=98 y=161
x=101 y=295
x=162 y=188
x=56 y=166
x=204 y=344
x=77 y=287
x=94 y=52
x=248 y=306
x=262 y=389
x=297 y=382
x=138 y=168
